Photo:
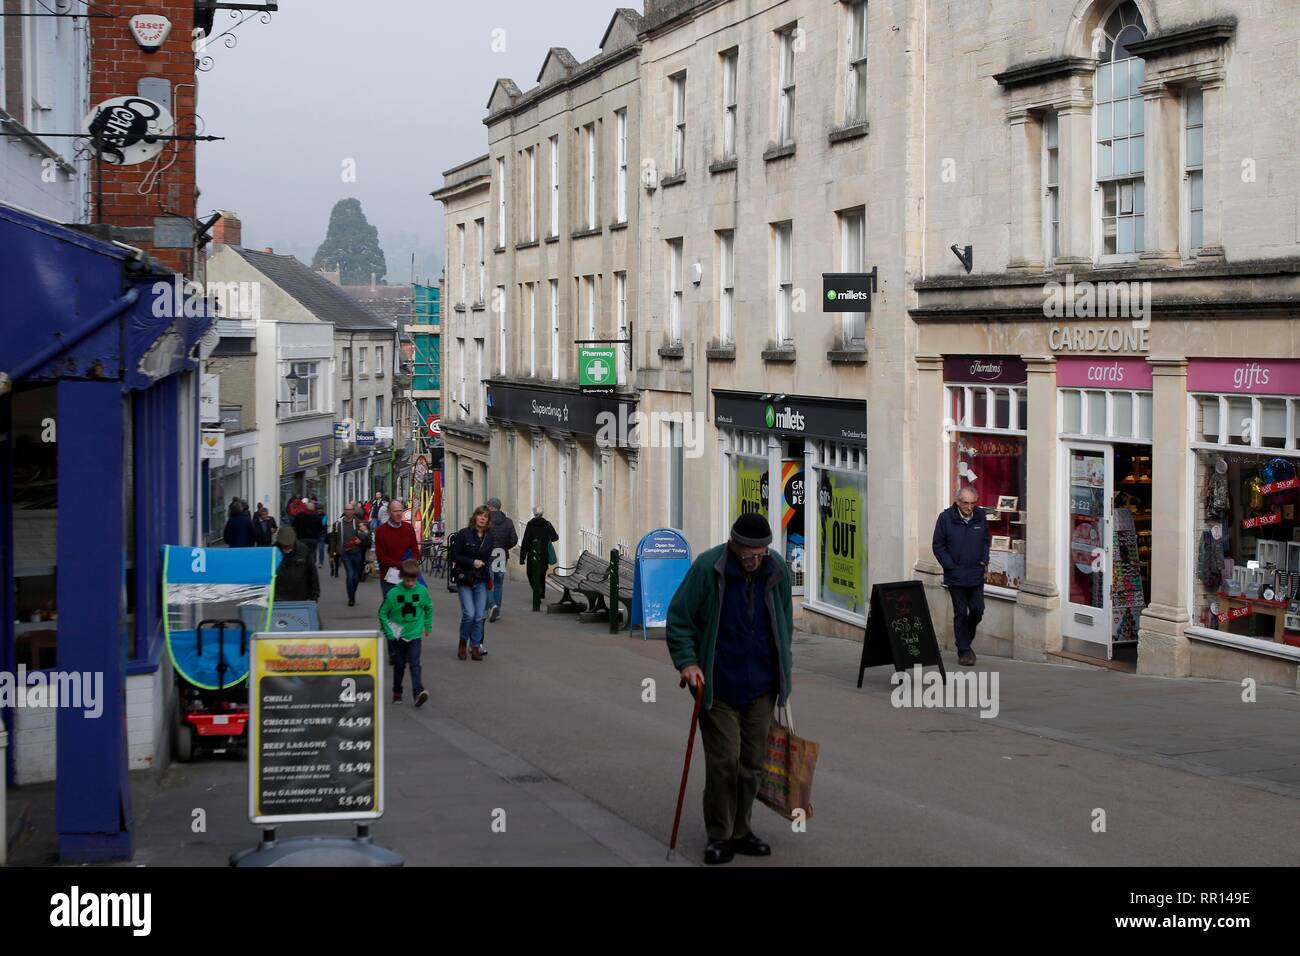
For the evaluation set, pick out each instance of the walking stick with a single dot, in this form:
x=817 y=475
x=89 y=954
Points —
x=686 y=768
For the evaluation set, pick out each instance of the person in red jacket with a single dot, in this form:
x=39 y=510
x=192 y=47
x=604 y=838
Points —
x=395 y=542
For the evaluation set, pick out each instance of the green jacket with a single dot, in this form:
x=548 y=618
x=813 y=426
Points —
x=696 y=607
x=411 y=609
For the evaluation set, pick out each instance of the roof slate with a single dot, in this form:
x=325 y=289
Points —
x=314 y=292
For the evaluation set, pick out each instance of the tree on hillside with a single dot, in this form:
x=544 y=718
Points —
x=351 y=246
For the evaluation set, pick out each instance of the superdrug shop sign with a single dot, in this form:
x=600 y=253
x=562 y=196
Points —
x=546 y=408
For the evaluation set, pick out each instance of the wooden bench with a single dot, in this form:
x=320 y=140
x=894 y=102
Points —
x=590 y=578
x=574 y=578
x=596 y=589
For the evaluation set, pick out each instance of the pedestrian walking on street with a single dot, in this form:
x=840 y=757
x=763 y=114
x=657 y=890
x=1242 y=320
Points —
x=538 y=529
x=266 y=527
x=961 y=546
x=306 y=525
x=334 y=550
x=395 y=542
x=471 y=569
x=296 y=578
x=501 y=529
x=323 y=532
x=410 y=608
x=377 y=512
x=240 y=532
x=353 y=543
x=729 y=632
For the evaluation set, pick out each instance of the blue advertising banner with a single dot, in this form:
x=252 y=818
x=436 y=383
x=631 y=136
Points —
x=662 y=559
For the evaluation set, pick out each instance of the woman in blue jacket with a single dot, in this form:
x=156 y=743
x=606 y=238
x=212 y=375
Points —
x=471 y=569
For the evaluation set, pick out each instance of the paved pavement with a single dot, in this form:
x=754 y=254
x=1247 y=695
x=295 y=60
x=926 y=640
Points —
x=555 y=728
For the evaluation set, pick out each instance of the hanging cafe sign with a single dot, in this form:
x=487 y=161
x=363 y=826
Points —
x=130 y=129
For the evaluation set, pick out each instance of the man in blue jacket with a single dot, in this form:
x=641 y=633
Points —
x=961 y=545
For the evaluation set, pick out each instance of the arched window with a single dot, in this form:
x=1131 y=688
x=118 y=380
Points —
x=1120 y=129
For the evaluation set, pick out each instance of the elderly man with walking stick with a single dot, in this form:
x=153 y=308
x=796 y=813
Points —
x=729 y=632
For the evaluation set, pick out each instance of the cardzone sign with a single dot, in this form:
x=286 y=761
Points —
x=150 y=30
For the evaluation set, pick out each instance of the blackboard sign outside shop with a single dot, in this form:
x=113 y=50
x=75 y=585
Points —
x=316 y=746
x=899 y=629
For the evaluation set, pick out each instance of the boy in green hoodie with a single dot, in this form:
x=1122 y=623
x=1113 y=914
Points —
x=410 y=608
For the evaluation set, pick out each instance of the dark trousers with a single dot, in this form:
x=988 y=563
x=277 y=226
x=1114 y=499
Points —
x=967 y=612
x=352 y=561
x=406 y=654
x=735 y=742
x=537 y=571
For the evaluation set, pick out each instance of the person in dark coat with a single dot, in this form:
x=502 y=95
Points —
x=471 y=559
x=961 y=546
x=266 y=527
x=239 y=531
x=540 y=530
x=729 y=633
x=296 y=578
x=306 y=525
x=501 y=529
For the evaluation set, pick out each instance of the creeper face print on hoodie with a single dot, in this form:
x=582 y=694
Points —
x=410 y=605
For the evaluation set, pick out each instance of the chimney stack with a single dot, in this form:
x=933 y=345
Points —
x=228 y=231
x=269 y=251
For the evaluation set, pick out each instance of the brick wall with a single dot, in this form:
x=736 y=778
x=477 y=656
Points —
x=117 y=65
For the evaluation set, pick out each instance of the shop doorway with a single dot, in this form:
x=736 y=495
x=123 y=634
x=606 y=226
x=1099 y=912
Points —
x=1107 y=548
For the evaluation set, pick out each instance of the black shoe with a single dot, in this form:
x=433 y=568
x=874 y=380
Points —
x=421 y=697
x=494 y=615
x=718 y=851
x=352 y=602
x=751 y=846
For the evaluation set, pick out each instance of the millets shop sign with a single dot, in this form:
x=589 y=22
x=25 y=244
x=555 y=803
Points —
x=795 y=415
x=847 y=291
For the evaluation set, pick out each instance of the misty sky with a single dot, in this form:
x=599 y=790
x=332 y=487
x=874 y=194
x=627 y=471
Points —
x=399 y=86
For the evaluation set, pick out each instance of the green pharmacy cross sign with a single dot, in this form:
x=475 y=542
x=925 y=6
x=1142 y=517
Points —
x=596 y=369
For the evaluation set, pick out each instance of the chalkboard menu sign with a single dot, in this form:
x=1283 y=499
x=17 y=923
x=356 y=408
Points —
x=899 y=629
x=315 y=723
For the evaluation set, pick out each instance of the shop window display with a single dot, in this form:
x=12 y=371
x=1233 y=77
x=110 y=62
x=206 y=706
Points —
x=1248 y=545
x=987 y=442
x=994 y=466
x=1130 y=542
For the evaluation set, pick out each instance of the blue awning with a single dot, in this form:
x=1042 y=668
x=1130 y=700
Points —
x=74 y=306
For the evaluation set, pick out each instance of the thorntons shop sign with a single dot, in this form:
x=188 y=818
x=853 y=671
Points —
x=984 y=370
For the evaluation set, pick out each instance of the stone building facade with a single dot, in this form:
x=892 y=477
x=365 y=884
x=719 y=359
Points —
x=465 y=297
x=1086 y=244
x=563 y=223
x=776 y=145
x=1119 y=372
